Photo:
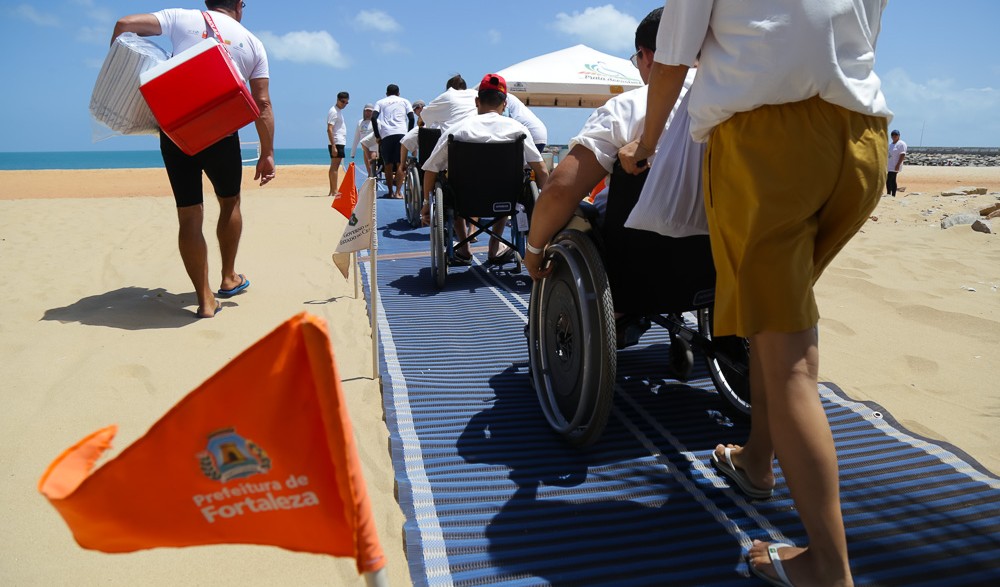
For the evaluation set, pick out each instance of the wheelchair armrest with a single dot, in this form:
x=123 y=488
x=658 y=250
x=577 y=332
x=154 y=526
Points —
x=589 y=212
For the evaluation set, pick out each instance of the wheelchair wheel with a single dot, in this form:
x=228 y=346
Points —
x=571 y=340
x=439 y=246
x=413 y=194
x=728 y=366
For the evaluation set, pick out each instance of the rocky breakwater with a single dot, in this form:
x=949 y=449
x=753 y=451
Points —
x=953 y=156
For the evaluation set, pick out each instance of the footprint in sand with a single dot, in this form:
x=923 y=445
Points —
x=835 y=327
x=921 y=365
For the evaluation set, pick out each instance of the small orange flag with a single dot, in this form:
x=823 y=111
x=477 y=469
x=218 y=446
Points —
x=597 y=189
x=261 y=453
x=347 y=194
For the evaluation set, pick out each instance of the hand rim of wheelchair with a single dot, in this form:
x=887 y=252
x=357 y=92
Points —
x=413 y=194
x=728 y=361
x=594 y=379
x=439 y=244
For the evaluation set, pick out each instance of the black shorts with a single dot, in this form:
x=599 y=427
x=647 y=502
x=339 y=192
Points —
x=388 y=148
x=222 y=163
x=340 y=151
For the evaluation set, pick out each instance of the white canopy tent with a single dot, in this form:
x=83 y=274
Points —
x=576 y=77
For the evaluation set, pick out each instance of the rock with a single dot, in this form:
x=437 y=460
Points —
x=995 y=214
x=982 y=226
x=950 y=194
x=972 y=191
x=959 y=219
x=990 y=210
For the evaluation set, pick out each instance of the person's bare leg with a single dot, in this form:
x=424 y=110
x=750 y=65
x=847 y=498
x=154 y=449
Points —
x=496 y=228
x=803 y=441
x=400 y=176
x=194 y=254
x=228 y=230
x=334 y=175
x=461 y=232
x=756 y=457
x=389 y=170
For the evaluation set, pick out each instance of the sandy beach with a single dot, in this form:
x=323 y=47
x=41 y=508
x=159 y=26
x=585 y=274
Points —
x=97 y=329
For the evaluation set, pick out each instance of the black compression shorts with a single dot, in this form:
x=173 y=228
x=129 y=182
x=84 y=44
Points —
x=340 y=151
x=389 y=149
x=221 y=162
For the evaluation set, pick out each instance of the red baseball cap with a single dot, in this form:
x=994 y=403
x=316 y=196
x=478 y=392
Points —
x=492 y=81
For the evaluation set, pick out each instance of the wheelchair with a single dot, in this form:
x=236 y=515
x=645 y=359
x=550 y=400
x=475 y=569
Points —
x=413 y=193
x=484 y=181
x=600 y=268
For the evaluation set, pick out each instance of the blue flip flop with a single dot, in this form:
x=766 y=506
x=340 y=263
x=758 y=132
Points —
x=228 y=293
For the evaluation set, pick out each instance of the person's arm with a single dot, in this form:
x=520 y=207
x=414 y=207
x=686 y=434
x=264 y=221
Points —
x=899 y=164
x=265 y=130
x=568 y=184
x=357 y=139
x=144 y=25
x=409 y=121
x=378 y=137
x=665 y=84
x=329 y=132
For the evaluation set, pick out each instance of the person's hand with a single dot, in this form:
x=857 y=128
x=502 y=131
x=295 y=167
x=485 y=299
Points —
x=425 y=214
x=634 y=157
x=536 y=264
x=265 y=169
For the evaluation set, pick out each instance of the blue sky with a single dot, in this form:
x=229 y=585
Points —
x=938 y=61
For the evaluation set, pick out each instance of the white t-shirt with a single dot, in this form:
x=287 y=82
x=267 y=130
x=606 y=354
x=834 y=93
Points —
x=483 y=128
x=410 y=141
x=521 y=113
x=392 y=119
x=448 y=108
x=672 y=202
x=612 y=126
x=773 y=52
x=364 y=127
x=186 y=28
x=369 y=143
x=335 y=117
x=896 y=150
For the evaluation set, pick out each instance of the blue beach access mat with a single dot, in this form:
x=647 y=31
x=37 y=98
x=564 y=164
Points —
x=492 y=496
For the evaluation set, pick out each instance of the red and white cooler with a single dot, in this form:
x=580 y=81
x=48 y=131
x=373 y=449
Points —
x=198 y=96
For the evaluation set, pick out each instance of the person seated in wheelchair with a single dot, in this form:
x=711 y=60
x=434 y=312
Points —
x=454 y=104
x=592 y=156
x=488 y=126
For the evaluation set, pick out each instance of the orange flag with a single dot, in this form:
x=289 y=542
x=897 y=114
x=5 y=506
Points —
x=347 y=194
x=261 y=453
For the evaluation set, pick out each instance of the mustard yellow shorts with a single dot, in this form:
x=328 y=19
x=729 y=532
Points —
x=786 y=186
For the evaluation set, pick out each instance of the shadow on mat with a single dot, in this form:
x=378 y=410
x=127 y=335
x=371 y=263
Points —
x=130 y=308
x=460 y=279
x=570 y=513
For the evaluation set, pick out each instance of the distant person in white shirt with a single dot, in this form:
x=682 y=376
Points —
x=336 y=131
x=393 y=116
x=489 y=126
x=221 y=162
x=453 y=105
x=362 y=129
x=521 y=113
x=897 y=152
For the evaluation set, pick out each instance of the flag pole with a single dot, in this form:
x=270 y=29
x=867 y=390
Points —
x=357 y=270
x=373 y=255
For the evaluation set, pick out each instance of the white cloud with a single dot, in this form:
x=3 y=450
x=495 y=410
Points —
x=95 y=12
x=376 y=20
x=494 y=36
x=603 y=27
x=304 y=47
x=31 y=14
x=93 y=35
x=390 y=47
x=950 y=115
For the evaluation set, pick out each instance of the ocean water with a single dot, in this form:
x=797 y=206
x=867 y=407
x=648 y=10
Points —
x=138 y=159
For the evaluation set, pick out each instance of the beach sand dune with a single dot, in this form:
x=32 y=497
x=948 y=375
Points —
x=97 y=328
